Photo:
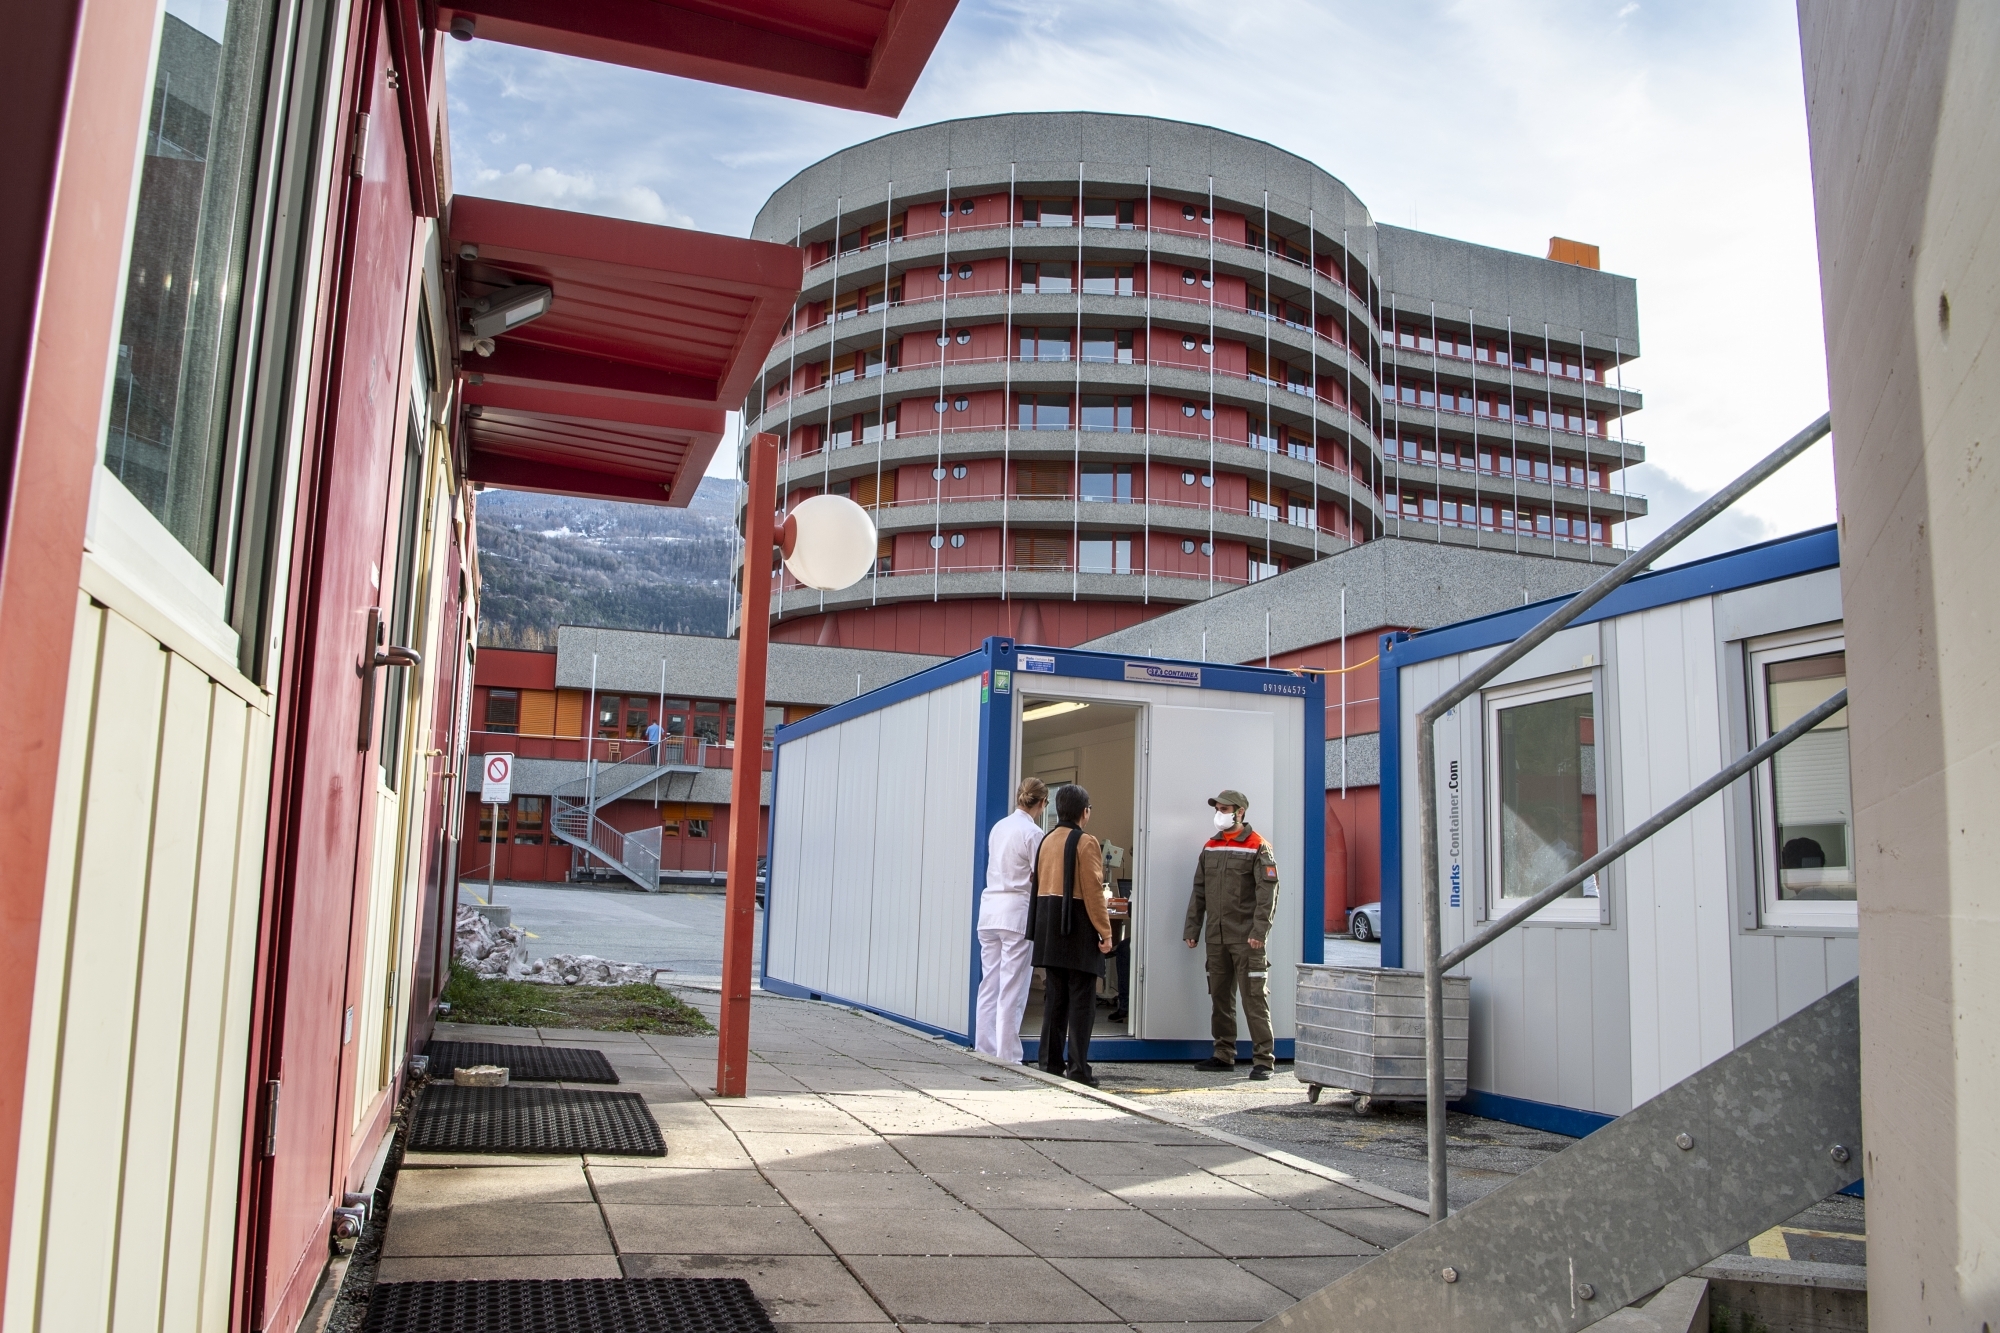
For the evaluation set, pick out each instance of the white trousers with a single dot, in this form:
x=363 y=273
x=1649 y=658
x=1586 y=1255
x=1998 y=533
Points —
x=1005 y=973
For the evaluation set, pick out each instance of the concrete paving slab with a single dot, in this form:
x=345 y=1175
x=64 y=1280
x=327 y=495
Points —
x=954 y=1231
x=657 y=1228
x=1097 y=1233
x=806 y=1190
x=787 y=1120
x=1175 y=1289
x=561 y=1181
x=422 y=1161
x=488 y=1268
x=1301 y=1277
x=1196 y=1328
x=1387 y=1227
x=1247 y=1232
x=691 y=1188
x=479 y=1229
x=822 y=1152
x=970 y=1290
x=1095 y=1161
x=1296 y=1189
x=1192 y=1188
x=794 y=1289
x=955 y=1153
x=1054 y=1192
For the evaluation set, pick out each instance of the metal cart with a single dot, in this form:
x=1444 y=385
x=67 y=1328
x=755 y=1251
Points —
x=1362 y=1028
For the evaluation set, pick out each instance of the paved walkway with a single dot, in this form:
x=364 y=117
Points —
x=876 y=1177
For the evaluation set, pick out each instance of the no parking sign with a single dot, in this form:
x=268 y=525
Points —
x=498 y=787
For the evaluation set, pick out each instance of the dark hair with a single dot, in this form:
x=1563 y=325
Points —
x=1071 y=802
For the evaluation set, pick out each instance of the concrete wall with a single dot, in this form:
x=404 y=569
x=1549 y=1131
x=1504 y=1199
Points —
x=1418 y=268
x=1902 y=112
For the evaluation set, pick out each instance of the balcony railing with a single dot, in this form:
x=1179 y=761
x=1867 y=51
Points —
x=688 y=751
x=1063 y=567
x=1188 y=231
x=1102 y=509
x=959 y=289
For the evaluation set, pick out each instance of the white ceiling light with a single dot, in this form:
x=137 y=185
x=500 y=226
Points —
x=1036 y=712
x=828 y=542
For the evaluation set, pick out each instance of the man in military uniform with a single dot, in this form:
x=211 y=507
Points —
x=1236 y=889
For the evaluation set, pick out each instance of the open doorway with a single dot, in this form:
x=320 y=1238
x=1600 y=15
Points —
x=1094 y=744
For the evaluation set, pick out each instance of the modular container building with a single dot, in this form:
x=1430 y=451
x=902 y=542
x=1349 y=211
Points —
x=1732 y=918
x=880 y=808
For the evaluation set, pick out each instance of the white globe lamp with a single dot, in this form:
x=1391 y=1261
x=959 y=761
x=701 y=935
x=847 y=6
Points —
x=828 y=542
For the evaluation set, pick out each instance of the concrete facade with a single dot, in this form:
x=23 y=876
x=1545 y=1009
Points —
x=1247 y=373
x=1901 y=113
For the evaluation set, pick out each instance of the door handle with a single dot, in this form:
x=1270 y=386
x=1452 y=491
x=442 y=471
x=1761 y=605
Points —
x=378 y=654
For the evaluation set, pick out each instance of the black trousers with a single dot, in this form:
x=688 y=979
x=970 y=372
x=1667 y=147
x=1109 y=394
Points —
x=1069 y=1010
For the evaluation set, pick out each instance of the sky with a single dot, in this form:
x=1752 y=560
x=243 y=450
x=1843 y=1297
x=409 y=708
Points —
x=1670 y=135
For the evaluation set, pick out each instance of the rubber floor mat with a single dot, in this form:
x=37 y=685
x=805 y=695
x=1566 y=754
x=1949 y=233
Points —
x=534 y=1120
x=569 y=1305
x=527 y=1064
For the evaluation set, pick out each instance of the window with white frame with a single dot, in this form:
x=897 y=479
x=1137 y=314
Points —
x=1805 y=809
x=1541 y=795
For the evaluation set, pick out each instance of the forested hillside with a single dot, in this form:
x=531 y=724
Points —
x=547 y=560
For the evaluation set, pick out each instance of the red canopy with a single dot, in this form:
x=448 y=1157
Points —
x=619 y=390
x=864 y=55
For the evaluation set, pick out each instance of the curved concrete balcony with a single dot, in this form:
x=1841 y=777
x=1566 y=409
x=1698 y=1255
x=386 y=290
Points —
x=930 y=383
x=875 y=329
x=884 y=260
x=1488 y=376
x=862 y=460
x=1518 y=435
x=1456 y=483
x=1095 y=517
x=1037 y=584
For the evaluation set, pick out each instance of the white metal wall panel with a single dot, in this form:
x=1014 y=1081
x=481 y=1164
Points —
x=944 y=960
x=781 y=902
x=1549 y=1002
x=816 y=835
x=899 y=788
x=1677 y=884
x=854 y=852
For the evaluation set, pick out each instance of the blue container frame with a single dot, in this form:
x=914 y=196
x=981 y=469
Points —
x=994 y=663
x=1767 y=562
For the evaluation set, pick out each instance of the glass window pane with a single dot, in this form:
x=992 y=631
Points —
x=176 y=345
x=1814 y=818
x=1547 y=784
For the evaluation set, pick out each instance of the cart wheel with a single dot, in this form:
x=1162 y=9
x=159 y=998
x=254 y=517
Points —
x=1362 y=1103
x=1312 y=1092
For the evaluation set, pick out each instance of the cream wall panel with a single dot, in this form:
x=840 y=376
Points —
x=133 y=1115
x=855 y=850
x=898 y=890
x=782 y=900
x=945 y=943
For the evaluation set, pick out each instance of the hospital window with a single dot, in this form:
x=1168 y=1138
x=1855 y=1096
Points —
x=1046 y=279
x=529 y=818
x=1805 y=807
x=708 y=722
x=1104 y=555
x=697 y=828
x=503 y=711
x=1110 y=484
x=1541 y=795
x=1048 y=212
x=486 y=813
x=675 y=720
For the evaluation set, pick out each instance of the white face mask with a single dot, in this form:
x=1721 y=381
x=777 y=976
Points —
x=1223 y=819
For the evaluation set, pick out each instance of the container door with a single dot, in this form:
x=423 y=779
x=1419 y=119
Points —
x=1191 y=753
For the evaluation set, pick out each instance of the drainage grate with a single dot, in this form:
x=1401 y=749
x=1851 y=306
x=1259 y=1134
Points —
x=449 y=1118
x=528 y=1064
x=571 y=1305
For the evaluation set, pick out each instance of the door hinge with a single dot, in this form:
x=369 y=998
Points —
x=358 y=153
x=271 y=1118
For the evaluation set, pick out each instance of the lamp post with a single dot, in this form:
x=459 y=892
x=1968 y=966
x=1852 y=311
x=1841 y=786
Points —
x=828 y=542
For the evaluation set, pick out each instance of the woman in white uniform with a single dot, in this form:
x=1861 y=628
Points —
x=1005 y=971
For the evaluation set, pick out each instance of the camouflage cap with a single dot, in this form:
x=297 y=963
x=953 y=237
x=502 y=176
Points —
x=1228 y=796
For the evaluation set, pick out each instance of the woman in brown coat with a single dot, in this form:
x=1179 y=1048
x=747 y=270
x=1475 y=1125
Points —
x=1072 y=933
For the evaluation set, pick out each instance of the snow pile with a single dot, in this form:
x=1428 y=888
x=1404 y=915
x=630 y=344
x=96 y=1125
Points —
x=502 y=952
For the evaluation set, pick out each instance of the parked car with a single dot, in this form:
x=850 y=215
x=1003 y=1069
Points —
x=1364 y=923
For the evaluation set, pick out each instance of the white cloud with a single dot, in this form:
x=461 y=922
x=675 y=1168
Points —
x=576 y=191
x=1671 y=136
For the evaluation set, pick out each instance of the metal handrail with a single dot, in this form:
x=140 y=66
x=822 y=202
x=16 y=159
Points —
x=614 y=780
x=1429 y=716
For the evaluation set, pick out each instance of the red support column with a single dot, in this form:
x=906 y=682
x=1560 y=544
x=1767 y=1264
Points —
x=746 y=779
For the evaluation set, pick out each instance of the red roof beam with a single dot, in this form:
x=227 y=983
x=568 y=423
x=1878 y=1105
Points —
x=864 y=55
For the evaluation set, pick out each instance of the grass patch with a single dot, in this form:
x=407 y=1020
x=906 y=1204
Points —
x=527 y=1004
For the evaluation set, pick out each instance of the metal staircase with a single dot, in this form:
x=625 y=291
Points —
x=574 y=805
